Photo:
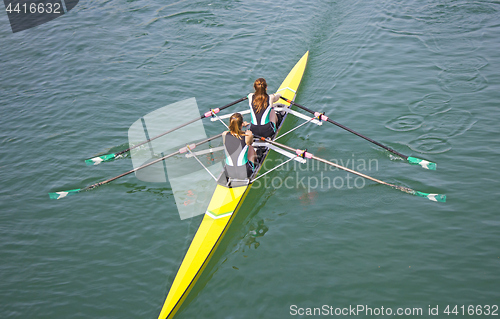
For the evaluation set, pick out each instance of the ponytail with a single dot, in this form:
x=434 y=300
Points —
x=235 y=123
x=260 y=97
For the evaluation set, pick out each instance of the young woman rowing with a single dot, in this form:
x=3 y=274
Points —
x=264 y=118
x=240 y=154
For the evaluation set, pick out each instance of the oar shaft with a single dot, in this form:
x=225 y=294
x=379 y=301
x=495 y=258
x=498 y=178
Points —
x=328 y=162
x=368 y=139
x=162 y=134
x=350 y=170
x=151 y=163
x=182 y=125
x=350 y=130
x=131 y=171
x=305 y=154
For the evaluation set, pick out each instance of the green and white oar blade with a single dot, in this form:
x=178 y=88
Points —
x=425 y=164
x=433 y=197
x=99 y=159
x=59 y=195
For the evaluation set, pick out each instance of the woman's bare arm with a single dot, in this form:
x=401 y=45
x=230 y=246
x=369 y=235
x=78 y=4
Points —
x=248 y=137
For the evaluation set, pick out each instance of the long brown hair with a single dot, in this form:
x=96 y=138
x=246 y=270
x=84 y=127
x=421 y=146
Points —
x=260 y=96
x=235 y=123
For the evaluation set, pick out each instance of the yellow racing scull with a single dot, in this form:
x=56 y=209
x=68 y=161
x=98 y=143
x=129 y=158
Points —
x=224 y=205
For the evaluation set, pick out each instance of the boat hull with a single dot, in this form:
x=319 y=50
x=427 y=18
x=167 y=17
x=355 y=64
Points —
x=223 y=206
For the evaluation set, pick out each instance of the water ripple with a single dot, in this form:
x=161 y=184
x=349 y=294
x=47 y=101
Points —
x=430 y=144
x=449 y=44
x=431 y=103
x=466 y=64
x=449 y=124
x=405 y=123
x=462 y=81
x=457 y=16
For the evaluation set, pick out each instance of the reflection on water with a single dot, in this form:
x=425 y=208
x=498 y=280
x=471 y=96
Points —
x=155 y=190
x=255 y=231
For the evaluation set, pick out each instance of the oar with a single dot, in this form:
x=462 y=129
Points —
x=59 y=195
x=108 y=157
x=411 y=160
x=305 y=154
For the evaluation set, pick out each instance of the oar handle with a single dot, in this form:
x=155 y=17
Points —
x=347 y=129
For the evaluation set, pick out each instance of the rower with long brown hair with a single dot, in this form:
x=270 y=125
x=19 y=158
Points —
x=240 y=154
x=264 y=119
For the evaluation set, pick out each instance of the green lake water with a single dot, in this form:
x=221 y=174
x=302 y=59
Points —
x=419 y=76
